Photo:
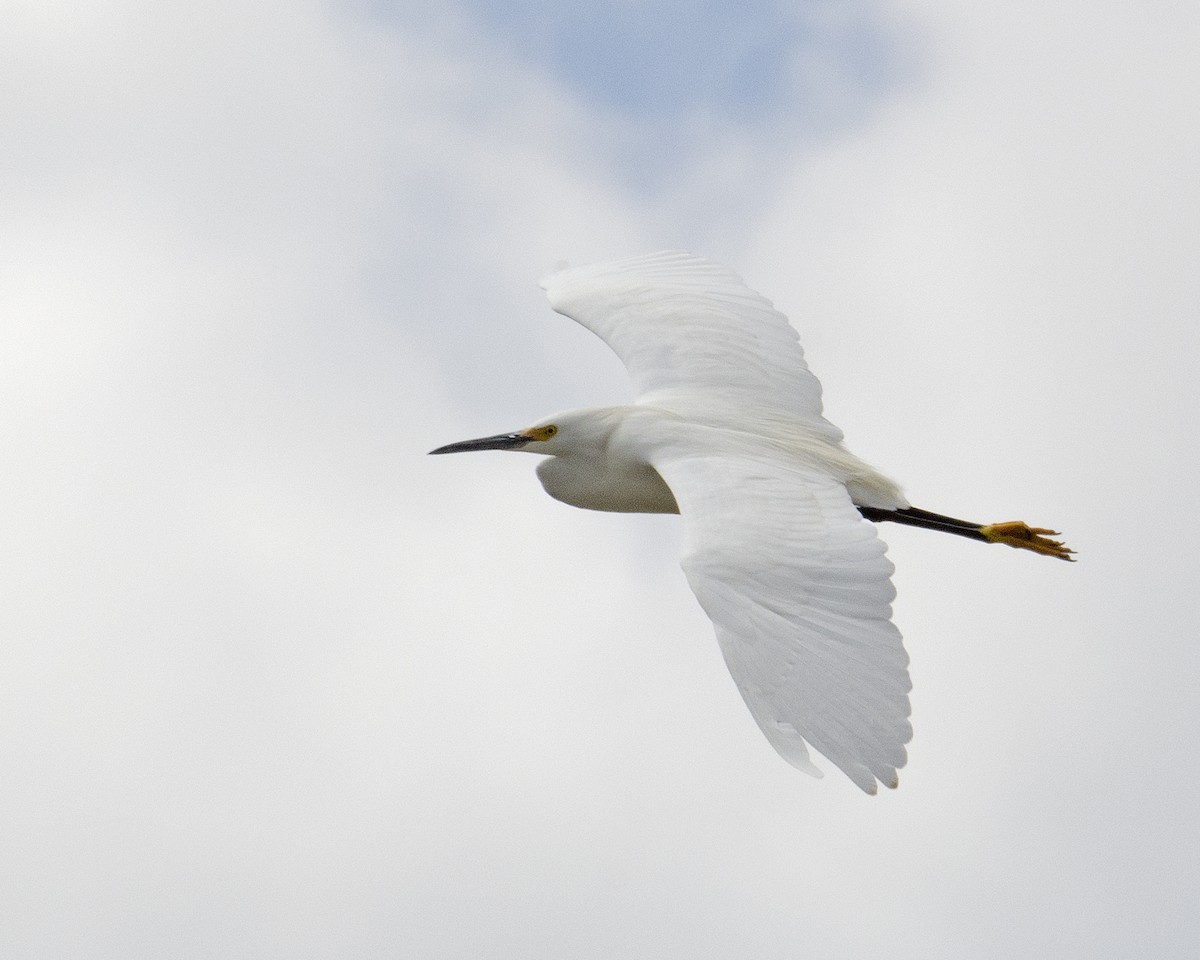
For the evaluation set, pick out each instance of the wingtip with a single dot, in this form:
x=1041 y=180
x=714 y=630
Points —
x=545 y=280
x=873 y=790
x=659 y=258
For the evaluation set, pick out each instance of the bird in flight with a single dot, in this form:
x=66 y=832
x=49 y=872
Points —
x=727 y=430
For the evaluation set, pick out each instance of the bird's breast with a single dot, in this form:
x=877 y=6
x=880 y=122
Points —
x=611 y=484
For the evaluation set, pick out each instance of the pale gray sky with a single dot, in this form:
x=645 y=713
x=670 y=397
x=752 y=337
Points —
x=275 y=684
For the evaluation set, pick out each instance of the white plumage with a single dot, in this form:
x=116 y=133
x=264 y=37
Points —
x=727 y=430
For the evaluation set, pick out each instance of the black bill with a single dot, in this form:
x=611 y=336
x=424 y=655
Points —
x=502 y=441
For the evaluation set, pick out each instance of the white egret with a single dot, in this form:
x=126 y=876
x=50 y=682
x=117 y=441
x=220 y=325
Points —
x=727 y=431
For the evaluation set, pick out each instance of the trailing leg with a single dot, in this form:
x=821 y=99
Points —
x=1014 y=533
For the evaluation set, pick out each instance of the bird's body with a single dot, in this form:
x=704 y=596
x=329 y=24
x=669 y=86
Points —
x=609 y=465
x=727 y=430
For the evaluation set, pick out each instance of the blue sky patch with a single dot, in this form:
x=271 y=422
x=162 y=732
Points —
x=742 y=62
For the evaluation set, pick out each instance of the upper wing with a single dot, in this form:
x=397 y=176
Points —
x=694 y=338
x=797 y=586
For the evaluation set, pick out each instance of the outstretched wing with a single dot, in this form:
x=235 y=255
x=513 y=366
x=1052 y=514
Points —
x=797 y=586
x=694 y=337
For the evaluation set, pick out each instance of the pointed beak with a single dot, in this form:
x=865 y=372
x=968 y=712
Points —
x=502 y=441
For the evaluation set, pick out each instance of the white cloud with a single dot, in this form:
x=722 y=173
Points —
x=274 y=684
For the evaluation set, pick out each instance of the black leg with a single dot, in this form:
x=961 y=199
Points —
x=914 y=517
x=1014 y=533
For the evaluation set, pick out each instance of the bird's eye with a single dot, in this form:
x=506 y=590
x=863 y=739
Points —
x=550 y=430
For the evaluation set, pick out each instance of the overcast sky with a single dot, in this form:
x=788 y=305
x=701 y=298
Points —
x=274 y=684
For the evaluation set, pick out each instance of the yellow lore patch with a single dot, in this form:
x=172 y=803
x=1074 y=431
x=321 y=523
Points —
x=540 y=433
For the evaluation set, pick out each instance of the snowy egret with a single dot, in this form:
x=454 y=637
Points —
x=727 y=431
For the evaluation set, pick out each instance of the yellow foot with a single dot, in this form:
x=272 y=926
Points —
x=1018 y=534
